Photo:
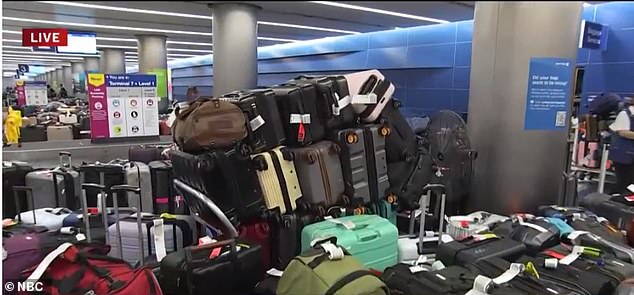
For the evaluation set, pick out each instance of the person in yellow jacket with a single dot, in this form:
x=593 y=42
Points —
x=12 y=125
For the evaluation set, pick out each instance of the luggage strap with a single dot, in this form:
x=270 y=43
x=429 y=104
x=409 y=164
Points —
x=482 y=284
x=350 y=278
x=533 y=226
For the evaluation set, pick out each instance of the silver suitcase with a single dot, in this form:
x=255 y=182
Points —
x=57 y=187
x=138 y=174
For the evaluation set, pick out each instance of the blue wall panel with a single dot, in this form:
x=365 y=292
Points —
x=396 y=38
x=461 y=78
x=435 y=34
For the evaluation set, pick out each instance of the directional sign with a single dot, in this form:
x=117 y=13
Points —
x=23 y=68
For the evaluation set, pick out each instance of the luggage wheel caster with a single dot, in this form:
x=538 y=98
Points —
x=392 y=198
x=385 y=131
x=321 y=211
x=260 y=163
x=287 y=155
x=358 y=211
x=383 y=121
x=352 y=138
x=311 y=158
x=243 y=149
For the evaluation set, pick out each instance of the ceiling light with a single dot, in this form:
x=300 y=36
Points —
x=586 y=4
x=117 y=39
x=41 y=56
x=189 y=50
x=104 y=26
x=306 y=27
x=381 y=11
x=277 y=39
x=189 y=43
x=48 y=53
x=116 y=46
x=12 y=40
x=11 y=32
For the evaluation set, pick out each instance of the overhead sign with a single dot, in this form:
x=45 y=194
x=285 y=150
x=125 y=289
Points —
x=548 y=93
x=45 y=48
x=80 y=43
x=23 y=68
x=44 y=37
x=593 y=36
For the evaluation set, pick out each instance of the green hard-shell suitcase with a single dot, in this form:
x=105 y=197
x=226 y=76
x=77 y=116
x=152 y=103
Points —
x=369 y=238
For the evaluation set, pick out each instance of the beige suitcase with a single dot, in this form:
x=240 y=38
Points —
x=29 y=121
x=68 y=118
x=59 y=132
x=278 y=179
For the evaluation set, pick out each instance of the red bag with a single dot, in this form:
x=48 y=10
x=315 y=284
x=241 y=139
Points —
x=68 y=271
x=258 y=231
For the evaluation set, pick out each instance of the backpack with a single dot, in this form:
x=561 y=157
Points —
x=327 y=269
x=69 y=271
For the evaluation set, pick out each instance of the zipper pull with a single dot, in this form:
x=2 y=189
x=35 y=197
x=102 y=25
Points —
x=301 y=132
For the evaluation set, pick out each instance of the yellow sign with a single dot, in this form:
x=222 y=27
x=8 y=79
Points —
x=96 y=79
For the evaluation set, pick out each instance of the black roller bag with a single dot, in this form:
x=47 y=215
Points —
x=298 y=109
x=33 y=133
x=285 y=237
x=264 y=126
x=535 y=234
x=107 y=175
x=474 y=249
x=333 y=100
x=13 y=174
x=163 y=191
x=226 y=178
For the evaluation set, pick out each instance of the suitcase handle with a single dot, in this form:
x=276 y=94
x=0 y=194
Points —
x=126 y=188
x=84 y=207
x=116 y=189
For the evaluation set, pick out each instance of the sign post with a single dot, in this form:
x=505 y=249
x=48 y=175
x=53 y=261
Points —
x=548 y=93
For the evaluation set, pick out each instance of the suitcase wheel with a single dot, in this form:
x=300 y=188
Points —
x=385 y=131
x=383 y=121
x=288 y=155
x=352 y=138
x=392 y=198
x=260 y=163
x=311 y=158
x=359 y=211
x=321 y=211
x=335 y=148
x=244 y=150
x=397 y=104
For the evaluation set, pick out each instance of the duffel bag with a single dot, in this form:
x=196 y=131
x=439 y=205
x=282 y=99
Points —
x=209 y=124
x=68 y=270
x=327 y=269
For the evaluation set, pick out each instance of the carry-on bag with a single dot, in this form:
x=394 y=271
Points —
x=225 y=178
x=363 y=162
x=59 y=132
x=285 y=236
x=603 y=205
x=164 y=195
x=278 y=179
x=264 y=125
x=408 y=178
x=598 y=226
x=13 y=174
x=209 y=124
x=106 y=174
x=401 y=143
x=479 y=247
x=333 y=100
x=621 y=251
x=144 y=153
x=370 y=92
x=417 y=280
x=33 y=133
x=320 y=176
x=51 y=218
x=328 y=269
x=590 y=280
x=58 y=187
x=537 y=234
x=297 y=105
x=369 y=238
x=138 y=174
x=258 y=232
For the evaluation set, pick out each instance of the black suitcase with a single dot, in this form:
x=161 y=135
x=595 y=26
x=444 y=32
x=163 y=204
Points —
x=603 y=205
x=469 y=250
x=166 y=200
x=265 y=128
x=104 y=174
x=401 y=144
x=300 y=117
x=33 y=133
x=144 y=153
x=531 y=233
x=407 y=179
x=285 y=237
x=226 y=178
x=333 y=100
x=219 y=268
x=13 y=174
x=452 y=280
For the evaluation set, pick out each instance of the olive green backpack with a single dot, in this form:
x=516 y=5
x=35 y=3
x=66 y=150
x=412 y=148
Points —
x=320 y=272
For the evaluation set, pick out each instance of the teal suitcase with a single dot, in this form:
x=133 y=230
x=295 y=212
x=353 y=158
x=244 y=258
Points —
x=369 y=238
x=386 y=210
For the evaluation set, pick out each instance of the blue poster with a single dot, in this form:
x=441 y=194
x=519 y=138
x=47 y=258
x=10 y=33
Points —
x=135 y=80
x=593 y=36
x=548 y=93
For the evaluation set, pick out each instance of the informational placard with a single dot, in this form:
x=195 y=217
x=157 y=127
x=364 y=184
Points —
x=548 y=93
x=122 y=106
x=35 y=93
x=19 y=89
x=593 y=36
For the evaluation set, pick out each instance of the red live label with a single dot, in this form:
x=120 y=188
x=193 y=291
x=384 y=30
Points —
x=44 y=37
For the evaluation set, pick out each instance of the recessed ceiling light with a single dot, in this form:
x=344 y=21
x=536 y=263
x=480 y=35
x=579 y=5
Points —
x=12 y=40
x=586 y=4
x=48 y=53
x=42 y=56
x=381 y=11
x=278 y=39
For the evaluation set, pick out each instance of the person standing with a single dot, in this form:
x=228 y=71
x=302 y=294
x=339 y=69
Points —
x=622 y=148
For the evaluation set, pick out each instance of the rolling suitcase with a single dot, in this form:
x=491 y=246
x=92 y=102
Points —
x=13 y=174
x=401 y=143
x=58 y=187
x=258 y=232
x=285 y=236
x=479 y=247
x=59 y=132
x=164 y=195
x=603 y=205
x=106 y=174
x=51 y=218
x=32 y=133
x=144 y=153
x=333 y=100
x=265 y=128
x=369 y=238
x=370 y=92
x=225 y=178
x=320 y=176
x=297 y=105
x=406 y=280
x=363 y=162
x=278 y=179
x=138 y=174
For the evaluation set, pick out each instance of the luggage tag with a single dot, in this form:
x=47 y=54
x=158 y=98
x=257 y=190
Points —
x=416 y=265
x=275 y=272
x=347 y=224
x=574 y=255
x=159 y=239
x=256 y=123
x=369 y=98
x=482 y=237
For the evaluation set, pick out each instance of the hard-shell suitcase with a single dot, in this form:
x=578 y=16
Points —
x=107 y=174
x=278 y=178
x=264 y=126
x=59 y=132
x=479 y=247
x=58 y=187
x=603 y=205
x=13 y=174
x=297 y=105
x=32 y=133
x=286 y=236
x=333 y=100
x=369 y=238
x=401 y=143
x=225 y=178
x=320 y=176
x=164 y=194
x=370 y=92
x=144 y=153
x=363 y=162
x=138 y=174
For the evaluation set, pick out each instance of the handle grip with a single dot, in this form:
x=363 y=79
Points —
x=94 y=186
x=433 y=186
x=26 y=189
x=126 y=188
x=64 y=154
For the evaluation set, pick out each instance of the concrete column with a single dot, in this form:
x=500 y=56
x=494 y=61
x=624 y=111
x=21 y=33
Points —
x=152 y=51
x=67 y=80
x=49 y=77
x=91 y=64
x=79 y=73
x=516 y=170
x=235 y=34
x=112 y=61
x=59 y=78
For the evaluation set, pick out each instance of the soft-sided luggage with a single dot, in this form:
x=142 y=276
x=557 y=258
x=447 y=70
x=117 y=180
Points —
x=59 y=132
x=537 y=234
x=408 y=178
x=209 y=124
x=51 y=218
x=164 y=194
x=462 y=227
x=32 y=133
x=598 y=226
x=297 y=105
x=320 y=176
x=223 y=177
x=370 y=92
x=562 y=212
x=402 y=143
x=13 y=174
x=603 y=205
x=479 y=247
x=327 y=269
x=278 y=178
x=285 y=236
x=144 y=153
x=258 y=232
x=621 y=250
x=69 y=270
x=363 y=162
x=369 y=238
x=416 y=280
x=265 y=128
x=333 y=100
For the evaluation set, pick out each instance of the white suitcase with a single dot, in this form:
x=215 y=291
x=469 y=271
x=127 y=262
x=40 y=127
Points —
x=282 y=194
x=51 y=218
x=364 y=87
x=68 y=118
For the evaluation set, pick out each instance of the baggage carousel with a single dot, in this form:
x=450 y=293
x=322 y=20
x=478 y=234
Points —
x=46 y=153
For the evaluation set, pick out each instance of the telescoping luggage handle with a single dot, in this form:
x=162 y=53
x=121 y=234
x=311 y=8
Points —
x=16 y=198
x=135 y=191
x=424 y=205
x=101 y=204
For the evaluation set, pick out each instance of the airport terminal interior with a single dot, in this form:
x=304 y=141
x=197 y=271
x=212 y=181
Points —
x=318 y=147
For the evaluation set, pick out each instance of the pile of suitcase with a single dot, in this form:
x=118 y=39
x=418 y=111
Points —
x=53 y=123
